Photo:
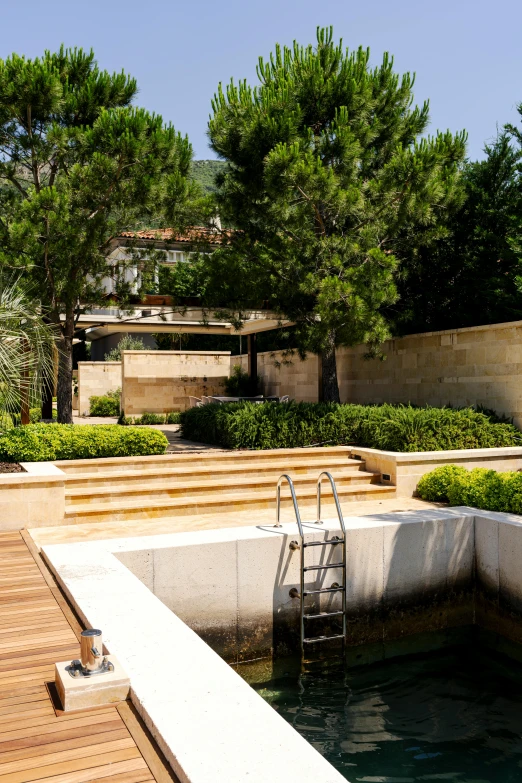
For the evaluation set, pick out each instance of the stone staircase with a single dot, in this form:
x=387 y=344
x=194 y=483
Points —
x=173 y=485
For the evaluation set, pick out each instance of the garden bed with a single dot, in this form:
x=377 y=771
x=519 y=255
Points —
x=391 y=428
x=11 y=467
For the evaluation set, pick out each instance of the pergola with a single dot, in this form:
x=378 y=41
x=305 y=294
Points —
x=102 y=322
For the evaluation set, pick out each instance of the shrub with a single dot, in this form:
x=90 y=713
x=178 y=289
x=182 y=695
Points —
x=389 y=427
x=35 y=415
x=434 y=486
x=238 y=385
x=105 y=405
x=150 y=418
x=127 y=343
x=41 y=442
x=480 y=488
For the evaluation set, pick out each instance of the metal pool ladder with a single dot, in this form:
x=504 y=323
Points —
x=334 y=541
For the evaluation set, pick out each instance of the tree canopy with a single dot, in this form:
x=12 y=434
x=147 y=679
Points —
x=327 y=168
x=78 y=164
x=473 y=275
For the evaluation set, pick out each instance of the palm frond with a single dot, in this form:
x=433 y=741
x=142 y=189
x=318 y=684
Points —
x=26 y=346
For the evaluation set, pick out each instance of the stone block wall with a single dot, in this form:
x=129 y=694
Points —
x=298 y=379
x=163 y=395
x=96 y=379
x=480 y=365
x=163 y=381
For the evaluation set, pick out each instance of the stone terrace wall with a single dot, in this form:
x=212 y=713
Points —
x=476 y=366
x=162 y=381
x=479 y=365
x=299 y=379
x=96 y=379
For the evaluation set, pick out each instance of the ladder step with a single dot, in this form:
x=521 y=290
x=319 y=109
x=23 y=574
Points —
x=326 y=542
x=324 y=590
x=322 y=614
x=313 y=639
x=321 y=567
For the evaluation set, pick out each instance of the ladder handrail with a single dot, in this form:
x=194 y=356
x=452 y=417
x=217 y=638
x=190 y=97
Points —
x=319 y=521
x=280 y=480
x=335 y=587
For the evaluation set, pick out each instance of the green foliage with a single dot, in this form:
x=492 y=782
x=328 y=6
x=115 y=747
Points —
x=473 y=275
x=127 y=343
x=150 y=418
x=35 y=416
x=479 y=488
x=434 y=486
x=82 y=163
x=42 y=442
x=204 y=172
x=329 y=175
x=26 y=345
x=105 y=405
x=387 y=427
x=238 y=384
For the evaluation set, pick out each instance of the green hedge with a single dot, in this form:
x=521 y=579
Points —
x=35 y=415
x=389 y=427
x=480 y=488
x=105 y=405
x=150 y=418
x=41 y=442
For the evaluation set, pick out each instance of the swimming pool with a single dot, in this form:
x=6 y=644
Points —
x=450 y=714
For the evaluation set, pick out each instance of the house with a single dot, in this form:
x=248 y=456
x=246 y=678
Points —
x=104 y=327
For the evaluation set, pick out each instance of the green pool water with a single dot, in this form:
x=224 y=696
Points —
x=452 y=714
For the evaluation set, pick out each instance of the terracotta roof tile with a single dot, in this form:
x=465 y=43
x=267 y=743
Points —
x=194 y=234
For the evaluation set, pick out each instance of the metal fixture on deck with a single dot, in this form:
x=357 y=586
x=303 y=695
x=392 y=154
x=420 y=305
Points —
x=335 y=587
x=92 y=661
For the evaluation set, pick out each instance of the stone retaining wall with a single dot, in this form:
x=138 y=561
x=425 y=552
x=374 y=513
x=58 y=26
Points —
x=94 y=380
x=481 y=365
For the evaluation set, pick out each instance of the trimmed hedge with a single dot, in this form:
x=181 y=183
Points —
x=480 y=488
x=403 y=428
x=105 y=405
x=43 y=442
x=150 y=418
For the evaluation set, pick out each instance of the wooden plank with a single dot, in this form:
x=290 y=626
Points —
x=58 y=757
x=68 y=613
x=38 y=742
x=156 y=762
x=63 y=734
x=68 y=744
x=76 y=765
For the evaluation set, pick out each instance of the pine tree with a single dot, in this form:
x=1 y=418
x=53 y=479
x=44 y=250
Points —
x=78 y=165
x=473 y=275
x=326 y=166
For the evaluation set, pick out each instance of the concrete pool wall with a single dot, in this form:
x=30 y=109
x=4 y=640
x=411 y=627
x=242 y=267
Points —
x=406 y=572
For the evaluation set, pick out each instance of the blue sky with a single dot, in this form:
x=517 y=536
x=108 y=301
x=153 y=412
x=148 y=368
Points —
x=467 y=54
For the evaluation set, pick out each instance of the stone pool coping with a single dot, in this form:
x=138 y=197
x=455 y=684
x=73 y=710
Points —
x=212 y=727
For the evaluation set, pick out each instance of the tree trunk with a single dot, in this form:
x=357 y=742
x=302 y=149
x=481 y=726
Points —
x=329 y=371
x=65 y=363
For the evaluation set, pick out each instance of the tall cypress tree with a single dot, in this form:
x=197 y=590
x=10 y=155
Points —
x=326 y=167
x=78 y=164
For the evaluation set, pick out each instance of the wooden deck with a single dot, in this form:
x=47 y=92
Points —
x=37 y=741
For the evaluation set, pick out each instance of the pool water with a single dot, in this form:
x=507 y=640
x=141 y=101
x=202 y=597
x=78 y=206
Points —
x=453 y=714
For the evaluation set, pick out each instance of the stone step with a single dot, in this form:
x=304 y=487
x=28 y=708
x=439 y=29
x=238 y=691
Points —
x=109 y=464
x=166 y=475
x=236 y=484
x=210 y=503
